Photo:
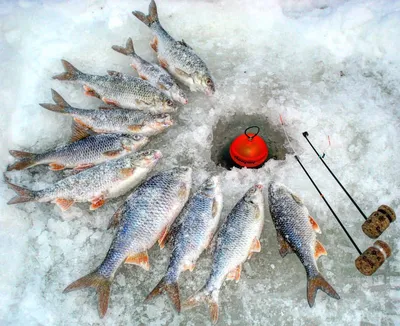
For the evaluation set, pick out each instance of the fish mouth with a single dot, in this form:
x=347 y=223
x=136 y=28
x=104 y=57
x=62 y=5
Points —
x=158 y=155
x=259 y=186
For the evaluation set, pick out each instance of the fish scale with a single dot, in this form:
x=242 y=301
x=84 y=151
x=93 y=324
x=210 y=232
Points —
x=151 y=208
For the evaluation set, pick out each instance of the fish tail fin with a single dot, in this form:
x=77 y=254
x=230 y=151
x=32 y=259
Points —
x=128 y=50
x=98 y=282
x=172 y=290
x=149 y=19
x=316 y=283
x=61 y=105
x=211 y=298
x=71 y=73
x=23 y=195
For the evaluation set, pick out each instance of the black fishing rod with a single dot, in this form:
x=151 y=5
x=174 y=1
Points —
x=378 y=221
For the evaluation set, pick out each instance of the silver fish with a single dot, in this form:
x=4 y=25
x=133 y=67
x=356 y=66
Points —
x=236 y=241
x=176 y=56
x=82 y=154
x=141 y=220
x=120 y=90
x=192 y=233
x=296 y=233
x=110 y=120
x=153 y=73
x=108 y=180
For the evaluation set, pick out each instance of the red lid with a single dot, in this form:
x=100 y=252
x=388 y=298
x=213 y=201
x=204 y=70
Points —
x=249 y=150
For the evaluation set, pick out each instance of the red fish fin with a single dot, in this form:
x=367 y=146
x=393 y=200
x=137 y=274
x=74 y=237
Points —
x=97 y=203
x=82 y=167
x=127 y=50
x=21 y=154
x=100 y=283
x=235 y=274
x=56 y=167
x=256 y=246
x=314 y=225
x=161 y=86
x=71 y=73
x=284 y=247
x=135 y=128
x=60 y=105
x=126 y=172
x=143 y=77
x=23 y=195
x=113 y=154
x=163 y=63
x=204 y=296
x=172 y=290
x=319 y=283
x=64 y=204
x=189 y=267
x=163 y=238
x=154 y=44
x=90 y=91
x=141 y=259
x=26 y=160
x=134 y=66
x=110 y=101
x=79 y=130
x=319 y=250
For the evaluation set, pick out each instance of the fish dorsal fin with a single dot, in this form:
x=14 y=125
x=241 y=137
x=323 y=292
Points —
x=116 y=218
x=297 y=199
x=215 y=208
x=115 y=74
x=319 y=250
x=79 y=130
x=284 y=247
x=184 y=43
x=314 y=225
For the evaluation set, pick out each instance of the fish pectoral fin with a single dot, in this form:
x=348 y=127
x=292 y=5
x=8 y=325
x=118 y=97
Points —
x=319 y=250
x=90 y=91
x=140 y=259
x=284 y=246
x=154 y=44
x=163 y=238
x=189 y=267
x=97 y=203
x=180 y=72
x=82 y=167
x=126 y=173
x=110 y=101
x=115 y=74
x=314 y=225
x=112 y=154
x=135 y=128
x=56 y=167
x=163 y=62
x=79 y=130
x=255 y=246
x=235 y=273
x=64 y=204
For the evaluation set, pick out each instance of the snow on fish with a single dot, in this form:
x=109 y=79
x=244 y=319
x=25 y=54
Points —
x=191 y=234
x=153 y=73
x=143 y=219
x=296 y=233
x=176 y=56
x=237 y=239
x=95 y=185
x=120 y=90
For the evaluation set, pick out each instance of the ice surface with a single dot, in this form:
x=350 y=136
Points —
x=329 y=67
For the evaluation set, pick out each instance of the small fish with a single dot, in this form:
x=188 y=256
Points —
x=143 y=219
x=120 y=90
x=176 y=56
x=192 y=233
x=106 y=120
x=153 y=73
x=296 y=233
x=95 y=185
x=237 y=239
x=82 y=154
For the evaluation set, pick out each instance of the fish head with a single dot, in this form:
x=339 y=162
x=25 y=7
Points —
x=167 y=105
x=145 y=159
x=254 y=195
x=278 y=192
x=133 y=143
x=205 y=82
x=159 y=122
x=211 y=187
x=178 y=95
x=184 y=174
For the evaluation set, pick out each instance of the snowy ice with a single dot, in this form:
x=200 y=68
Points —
x=328 y=67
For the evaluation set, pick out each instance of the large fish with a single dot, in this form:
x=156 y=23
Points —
x=236 y=241
x=106 y=120
x=143 y=219
x=120 y=90
x=296 y=233
x=191 y=234
x=108 y=180
x=176 y=56
x=82 y=154
x=153 y=73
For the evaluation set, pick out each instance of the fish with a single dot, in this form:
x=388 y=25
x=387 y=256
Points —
x=143 y=219
x=95 y=185
x=82 y=154
x=177 y=56
x=120 y=90
x=153 y=73
x=296 y=233
x=191 y=234
x=236 y=241
x=106 y=120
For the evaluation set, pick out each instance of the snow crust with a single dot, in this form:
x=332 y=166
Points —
x=329 y=67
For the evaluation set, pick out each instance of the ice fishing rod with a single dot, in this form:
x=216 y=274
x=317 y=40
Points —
x=378 y=221
x=371 y=259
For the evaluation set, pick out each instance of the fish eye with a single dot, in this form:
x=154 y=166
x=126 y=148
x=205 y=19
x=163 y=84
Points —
x=137 y=137
x=170 y=103
x=208 y=81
